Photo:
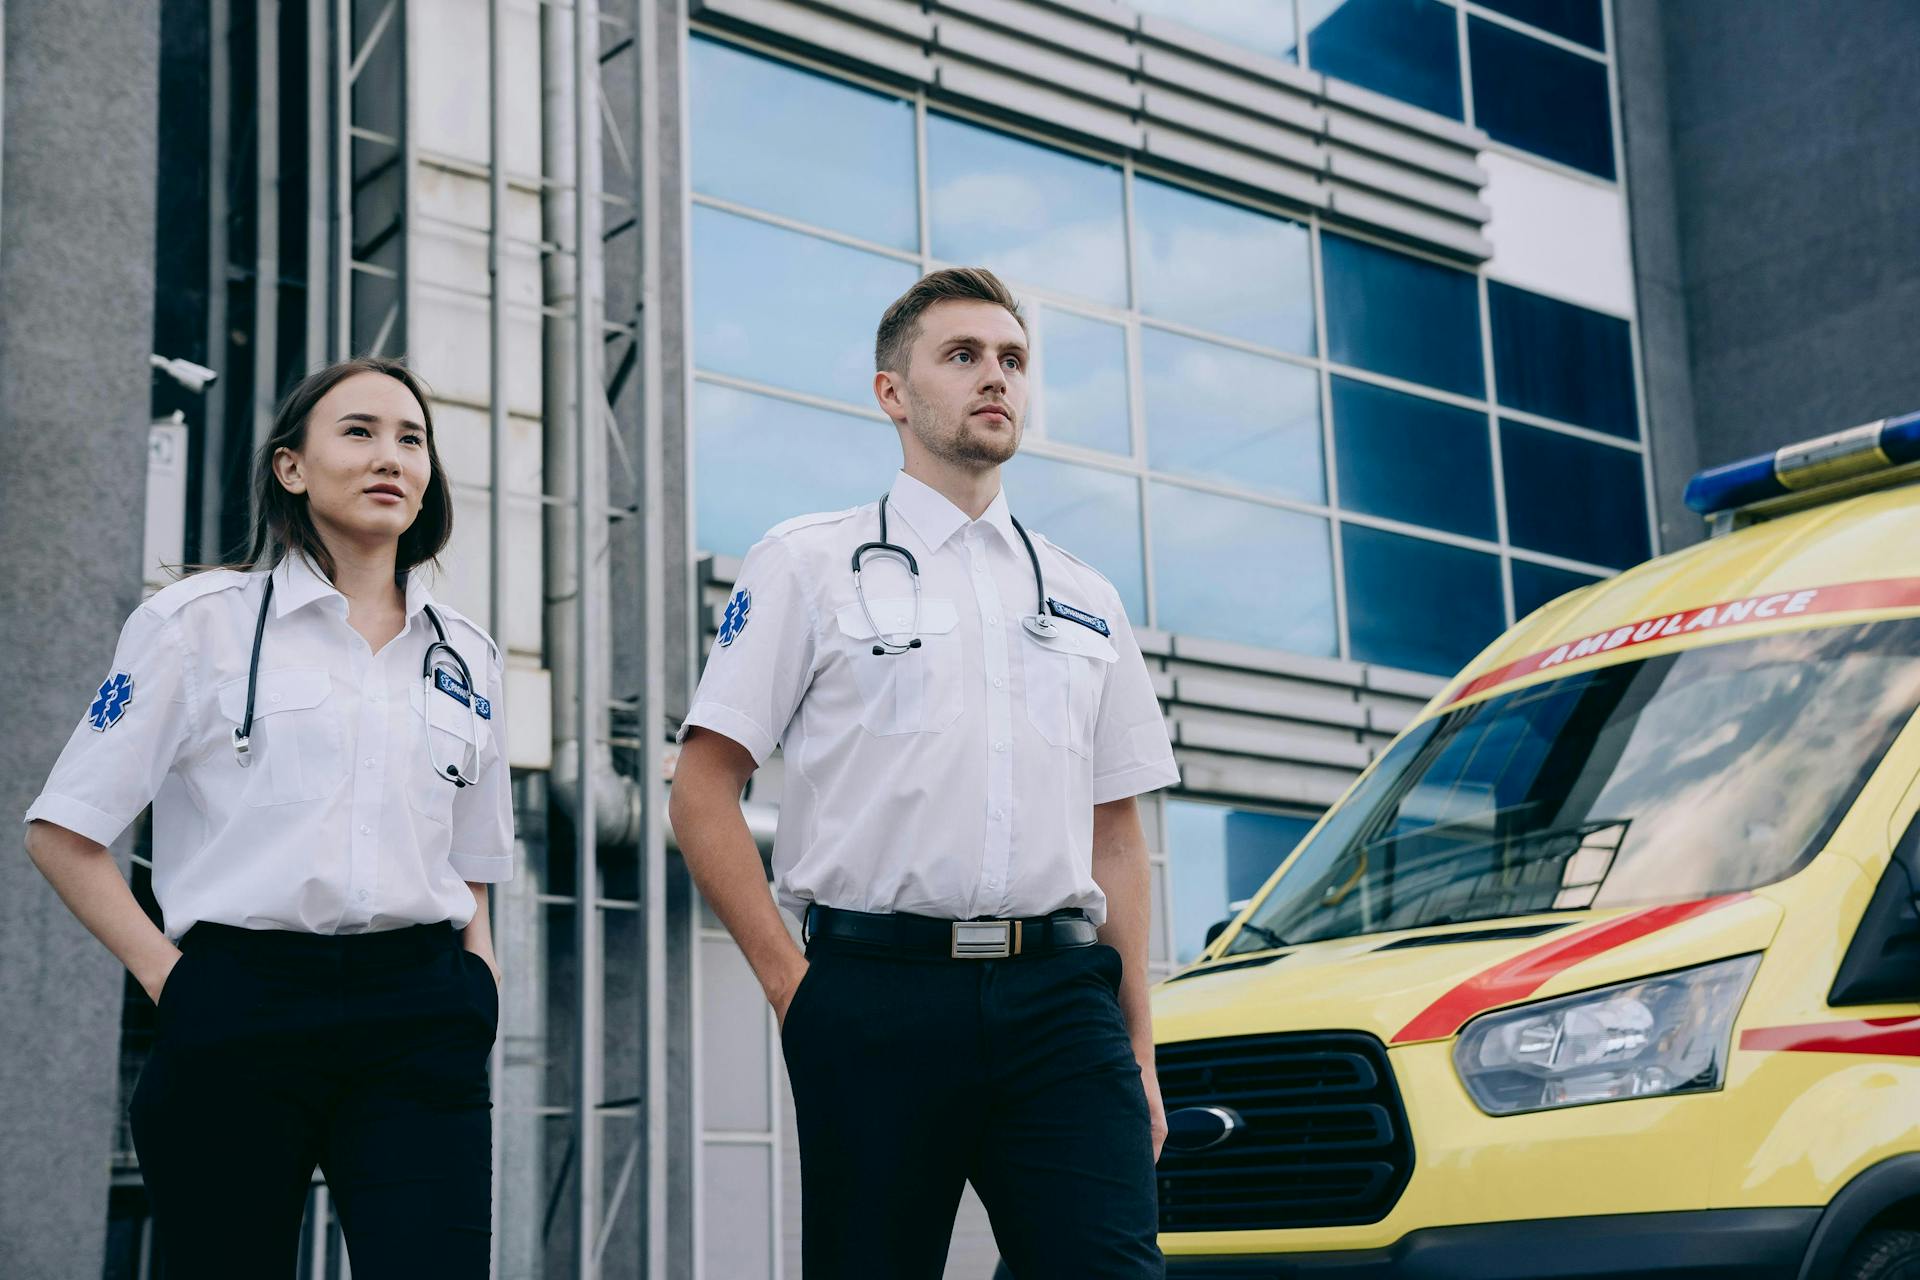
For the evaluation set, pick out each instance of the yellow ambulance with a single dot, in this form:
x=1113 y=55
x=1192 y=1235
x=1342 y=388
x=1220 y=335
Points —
x=1609 y=965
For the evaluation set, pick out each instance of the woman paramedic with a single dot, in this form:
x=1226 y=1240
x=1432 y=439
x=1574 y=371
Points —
x=321 y=744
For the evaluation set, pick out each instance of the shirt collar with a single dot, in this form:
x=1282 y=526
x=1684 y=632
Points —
x=936 y=519
x=297 y=583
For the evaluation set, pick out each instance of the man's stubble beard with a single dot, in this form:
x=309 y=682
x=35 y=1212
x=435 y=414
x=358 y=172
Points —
x=956 y=444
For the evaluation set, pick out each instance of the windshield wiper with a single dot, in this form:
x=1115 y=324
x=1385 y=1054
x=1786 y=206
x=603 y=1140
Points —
x=1265 y=934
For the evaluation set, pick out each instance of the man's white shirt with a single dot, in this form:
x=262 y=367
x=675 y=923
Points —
x=957 y=779
x=338 y=824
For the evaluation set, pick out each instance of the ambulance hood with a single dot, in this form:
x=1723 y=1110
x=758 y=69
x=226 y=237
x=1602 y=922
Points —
x=1424 y=984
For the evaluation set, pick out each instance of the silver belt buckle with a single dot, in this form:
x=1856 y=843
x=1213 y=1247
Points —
x=982 y=939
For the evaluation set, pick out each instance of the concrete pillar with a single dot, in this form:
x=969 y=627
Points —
x=77 y=164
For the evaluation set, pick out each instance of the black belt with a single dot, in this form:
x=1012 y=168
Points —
x=955 y=939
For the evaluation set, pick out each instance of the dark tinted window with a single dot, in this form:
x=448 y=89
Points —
x=1561 y=361
x=1409 y=458
x=1546 y=100
x=1573 y=498
x=1577 y=20
x=1398 y=315
x=1418 y=604
x=1406 y=49
x=1536 y=584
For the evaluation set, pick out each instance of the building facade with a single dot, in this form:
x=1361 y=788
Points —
x=1361 y=328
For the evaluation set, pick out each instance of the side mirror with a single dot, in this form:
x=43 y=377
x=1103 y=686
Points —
x=1217 y=928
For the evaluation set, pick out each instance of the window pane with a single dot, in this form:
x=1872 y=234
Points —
x=760 y=461
x=832 y=155
x=1094 y=514
x=1407 y=49
x=1538 y=584
x=1561 y=361
x=1083 y=376
x=1416 y=604
x=1402 y=316
x=1032 y=214
x=1573 y=498
x=1218 y=266
x=1532 y=95
x=1265 y=26
x=1216 y=857
x=750 y=281
x=1236 y=570
x=1408 y=458
x=1230 y=415
x=1577 y=20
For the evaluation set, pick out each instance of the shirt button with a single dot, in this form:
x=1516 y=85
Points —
x=365 y=830
x=379 y=696
x=273 y=698
x=993 y=622
x=363 y=895
x=368 y=762
x=997 y=682
x=999 y=746
x=999 y=814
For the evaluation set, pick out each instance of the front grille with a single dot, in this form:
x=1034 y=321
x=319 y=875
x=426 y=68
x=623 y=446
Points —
x=1325 y=1143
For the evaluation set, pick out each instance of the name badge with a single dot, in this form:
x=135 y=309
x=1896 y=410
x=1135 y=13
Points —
x=1081 y=616
x=449 y=684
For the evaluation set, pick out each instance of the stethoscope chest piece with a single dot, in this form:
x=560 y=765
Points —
x=1041 y=626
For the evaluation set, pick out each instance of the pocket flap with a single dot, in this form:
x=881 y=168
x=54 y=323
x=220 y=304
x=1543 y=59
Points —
x=1071 y=637
x=895 y=616
x=287 y=689
x=442 y=710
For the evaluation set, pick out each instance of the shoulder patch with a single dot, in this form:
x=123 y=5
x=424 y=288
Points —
x=110 y=701
x=786 y=527
x=175 y=596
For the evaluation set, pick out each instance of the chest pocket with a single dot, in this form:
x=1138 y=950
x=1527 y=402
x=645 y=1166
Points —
x=1065 y=677
x=454 y=736
x=913 y=692
x=297 y=749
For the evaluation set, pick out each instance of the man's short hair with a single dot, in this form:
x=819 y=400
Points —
x=901 y=323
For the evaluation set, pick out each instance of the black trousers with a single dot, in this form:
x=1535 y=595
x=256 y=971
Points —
x=364 y=1055
x=914 y=1076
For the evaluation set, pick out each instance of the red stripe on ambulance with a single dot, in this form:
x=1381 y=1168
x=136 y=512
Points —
x=1845 y=597
x=1884 y=1037
x=1513 y=980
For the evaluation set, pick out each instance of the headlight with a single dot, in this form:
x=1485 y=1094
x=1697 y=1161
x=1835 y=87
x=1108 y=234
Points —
x=1655 y=1036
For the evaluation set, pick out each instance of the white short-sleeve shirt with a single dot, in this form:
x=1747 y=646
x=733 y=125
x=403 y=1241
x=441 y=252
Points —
x=338 y=824
x=955 y=780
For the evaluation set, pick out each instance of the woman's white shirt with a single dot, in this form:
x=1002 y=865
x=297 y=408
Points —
x=339 y=824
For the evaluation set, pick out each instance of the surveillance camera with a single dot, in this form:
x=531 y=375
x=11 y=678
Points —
x=194 y=377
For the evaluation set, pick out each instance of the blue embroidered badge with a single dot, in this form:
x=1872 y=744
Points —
x=1080 y=616
x=734 y=621
x=450 y=684
x=110 y=701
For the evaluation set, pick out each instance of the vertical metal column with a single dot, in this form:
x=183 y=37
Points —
x=323 y=126
x=655 y=1094
x=589 y=520
x=219 y=168
x=266 y=246
x=497 y=476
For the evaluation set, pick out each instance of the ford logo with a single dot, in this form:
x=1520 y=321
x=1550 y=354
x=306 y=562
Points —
x=1197 y=1128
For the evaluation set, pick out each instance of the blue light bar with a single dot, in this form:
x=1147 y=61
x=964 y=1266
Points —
x=1794 y=468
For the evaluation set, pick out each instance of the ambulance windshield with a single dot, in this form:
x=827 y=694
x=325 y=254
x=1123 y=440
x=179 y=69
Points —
x=1715 y=769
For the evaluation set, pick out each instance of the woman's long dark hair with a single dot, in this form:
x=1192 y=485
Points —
x=282 y=521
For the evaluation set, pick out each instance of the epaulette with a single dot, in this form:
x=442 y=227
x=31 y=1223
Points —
x=175 y=596
x=786 y=527
x=455 y=615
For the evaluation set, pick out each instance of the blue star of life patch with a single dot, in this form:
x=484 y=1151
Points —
x=110 y=701
x=450 y=684
x=734 y=621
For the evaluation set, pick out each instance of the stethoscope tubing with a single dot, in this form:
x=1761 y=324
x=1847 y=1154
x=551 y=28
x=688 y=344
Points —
x=243 y=732
x=1037 y=622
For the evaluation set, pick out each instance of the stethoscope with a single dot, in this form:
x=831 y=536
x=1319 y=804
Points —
x=431 y=672
x=1036 y=622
